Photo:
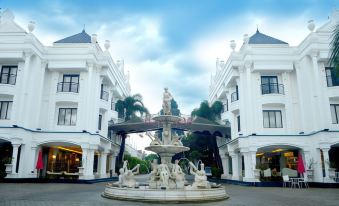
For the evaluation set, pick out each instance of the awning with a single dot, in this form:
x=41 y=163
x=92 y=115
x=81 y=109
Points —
x=198 y=125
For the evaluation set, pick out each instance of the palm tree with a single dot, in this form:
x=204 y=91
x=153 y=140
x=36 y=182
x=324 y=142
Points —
x=212 y=113
x=334 y=55
x=128 y=109
x=130 y=106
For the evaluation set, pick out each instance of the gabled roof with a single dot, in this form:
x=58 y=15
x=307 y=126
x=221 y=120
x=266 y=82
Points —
x=82 y=37
x=259 y=38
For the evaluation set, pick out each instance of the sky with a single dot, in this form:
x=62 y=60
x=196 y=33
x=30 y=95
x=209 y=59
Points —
x=173 y=43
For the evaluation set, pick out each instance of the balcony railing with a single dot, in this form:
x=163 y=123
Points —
x=234 y=96
x=272 y=88
x=104 y=95
x=8 y=79
x=68 y=87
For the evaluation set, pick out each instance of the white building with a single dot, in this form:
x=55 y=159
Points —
x=57 y=99
x=279 y=100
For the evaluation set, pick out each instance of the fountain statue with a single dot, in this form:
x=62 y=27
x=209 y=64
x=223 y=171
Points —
x=126 y=176
x=167 y=180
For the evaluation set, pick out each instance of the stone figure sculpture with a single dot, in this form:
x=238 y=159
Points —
x=178 y=175
x=166 y=104
x=156 y=140
x=200 y=178
x=164 y=174
x=126 y=176
x=176 y=140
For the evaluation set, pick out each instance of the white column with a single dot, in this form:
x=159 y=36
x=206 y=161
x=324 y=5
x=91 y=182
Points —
x=250 y=164
x=113 y=162
x=87 y=162
x=225 y=159
x=307 y=159
x=103 y=163
x=14 y=158
x=235 y=166
x=326 y=162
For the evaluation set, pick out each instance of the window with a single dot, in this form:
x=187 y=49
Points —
x=103 y=94
x=334 y=113
x=100 y=121
x=269 y=85
x=70 y=83
x=272 y=119
x=5 y=109
x=67 y=116
x=8 y=74
x=238 y=121
x=332 y=77
x=235 y=95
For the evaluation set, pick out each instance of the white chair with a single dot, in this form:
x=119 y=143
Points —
x=295 y=182
x=286 y=180
x=267 y=173
x=303 y=181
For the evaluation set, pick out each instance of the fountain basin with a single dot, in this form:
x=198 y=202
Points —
x=167 y=149
x=144 y=194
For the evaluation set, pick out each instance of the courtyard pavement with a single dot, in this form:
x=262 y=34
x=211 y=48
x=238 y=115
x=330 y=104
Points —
x=89 y=194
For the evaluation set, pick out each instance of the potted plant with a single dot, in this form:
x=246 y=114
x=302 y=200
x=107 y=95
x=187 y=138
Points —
x=8 y=163
x=310 y=170
x=331 y=169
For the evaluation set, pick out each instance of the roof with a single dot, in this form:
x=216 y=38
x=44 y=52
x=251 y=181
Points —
x=82 y=37
x=260 y=38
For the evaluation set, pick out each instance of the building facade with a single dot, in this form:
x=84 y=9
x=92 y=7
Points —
x=57 y=100
x=279 y=101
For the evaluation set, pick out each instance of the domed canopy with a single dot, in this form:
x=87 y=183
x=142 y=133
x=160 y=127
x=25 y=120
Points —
x=259 y=38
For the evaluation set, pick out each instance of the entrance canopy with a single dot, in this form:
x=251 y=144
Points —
x=197 y=125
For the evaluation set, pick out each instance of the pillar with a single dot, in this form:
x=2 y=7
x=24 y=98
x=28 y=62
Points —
x=14 y=158
x=112 y=164
x=87 y=162
x=103 y=163
x=250 y=159
x=224 y=160
x=326 y=163
x=235 y=166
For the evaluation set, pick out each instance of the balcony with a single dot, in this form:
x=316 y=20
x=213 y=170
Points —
x=104 y=95
x=272 y=88
x=68 y=87
x=234 y=96
x=8 y=79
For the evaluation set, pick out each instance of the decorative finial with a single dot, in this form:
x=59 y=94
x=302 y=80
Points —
x=257 y=28
x=233 y=44
x=107 y=44
x=94 y=38
x=83 y=29
x=31 y=26
x=311 y=25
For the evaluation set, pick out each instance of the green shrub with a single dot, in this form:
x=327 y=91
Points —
x=216 y=172
x=133 y=161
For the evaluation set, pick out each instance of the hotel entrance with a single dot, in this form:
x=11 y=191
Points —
x=61 y=161
x=274 y=162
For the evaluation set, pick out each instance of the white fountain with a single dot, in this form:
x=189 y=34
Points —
x=167 y=181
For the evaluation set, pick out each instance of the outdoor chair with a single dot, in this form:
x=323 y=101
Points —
x=295 y=182
x=267 y=173
x=303 y=181
x=286 y=181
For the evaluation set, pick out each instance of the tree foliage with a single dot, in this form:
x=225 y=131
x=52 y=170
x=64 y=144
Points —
x=130 y=107
x=334 y=55
x=204 y=147
x=133 y=161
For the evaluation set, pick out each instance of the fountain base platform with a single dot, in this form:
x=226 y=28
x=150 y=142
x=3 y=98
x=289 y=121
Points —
x=144 y=194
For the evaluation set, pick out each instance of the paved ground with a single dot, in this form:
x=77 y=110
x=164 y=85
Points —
x=89 y=194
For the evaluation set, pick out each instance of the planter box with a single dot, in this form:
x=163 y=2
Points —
x=310 y=173
x=331 y=172
x=256 y=173
x=81 y=170
x=9 y=168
